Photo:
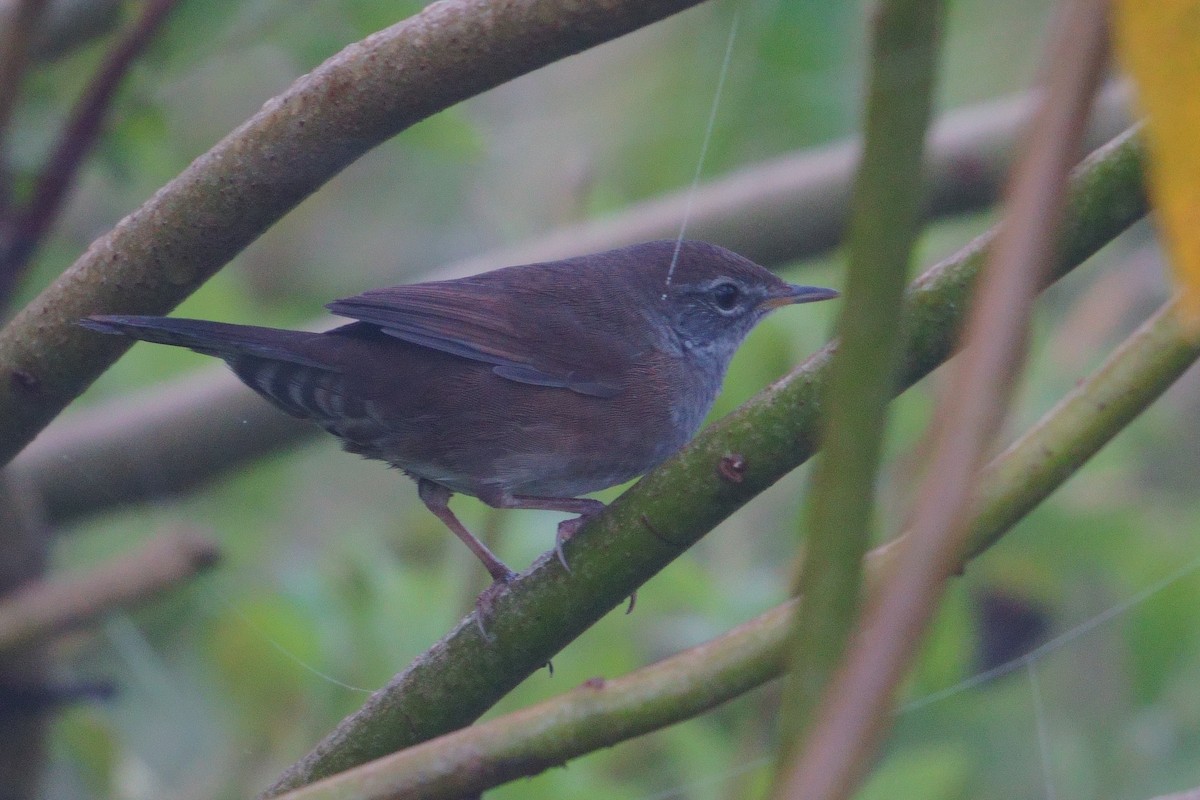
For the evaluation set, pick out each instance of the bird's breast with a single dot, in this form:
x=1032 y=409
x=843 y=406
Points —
x=568 y=445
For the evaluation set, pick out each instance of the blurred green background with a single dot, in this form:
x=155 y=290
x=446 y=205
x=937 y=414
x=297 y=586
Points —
x=335 y=576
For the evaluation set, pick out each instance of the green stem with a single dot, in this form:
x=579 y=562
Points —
x=855 y=709
x=887 y=208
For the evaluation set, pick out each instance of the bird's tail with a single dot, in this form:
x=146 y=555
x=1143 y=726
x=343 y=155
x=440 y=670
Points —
x=230 y=342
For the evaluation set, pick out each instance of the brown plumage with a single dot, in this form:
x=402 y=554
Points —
x=526 y=386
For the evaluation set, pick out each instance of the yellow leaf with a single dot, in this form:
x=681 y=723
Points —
x=1159 y=43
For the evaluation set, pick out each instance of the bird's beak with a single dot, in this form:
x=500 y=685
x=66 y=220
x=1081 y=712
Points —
x=791 y=294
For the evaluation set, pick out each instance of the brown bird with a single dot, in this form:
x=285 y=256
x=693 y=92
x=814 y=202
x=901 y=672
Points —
x=526 y=386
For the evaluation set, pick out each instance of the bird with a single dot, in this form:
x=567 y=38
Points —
x=527 y=386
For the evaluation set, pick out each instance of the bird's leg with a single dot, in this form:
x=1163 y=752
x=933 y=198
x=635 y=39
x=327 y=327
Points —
x=585 y=507
x=437 y=499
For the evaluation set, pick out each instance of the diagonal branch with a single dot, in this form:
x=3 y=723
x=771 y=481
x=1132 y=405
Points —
x=671 y=508
x=42 y=609
x=369 y=92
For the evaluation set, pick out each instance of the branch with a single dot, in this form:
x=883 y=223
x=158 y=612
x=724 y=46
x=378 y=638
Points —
x=666 y=512
x=75 y=143
x=796 y=206
x=854 y=711
x=128 y=449
x=46 y=608
x=152 y=443
x=602 y=713
x=598 y=714
x=369 y=92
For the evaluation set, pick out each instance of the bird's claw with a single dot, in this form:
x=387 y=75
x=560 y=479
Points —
x=566 y=529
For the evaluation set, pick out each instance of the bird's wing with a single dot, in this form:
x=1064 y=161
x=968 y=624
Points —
x=529 y=336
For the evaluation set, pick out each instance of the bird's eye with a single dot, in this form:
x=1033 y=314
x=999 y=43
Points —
x=726 y=296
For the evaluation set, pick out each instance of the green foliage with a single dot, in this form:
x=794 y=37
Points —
x=931 y=772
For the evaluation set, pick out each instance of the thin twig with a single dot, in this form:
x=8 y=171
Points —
x=854 y=711
x=46 y=608
x=76 y=140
